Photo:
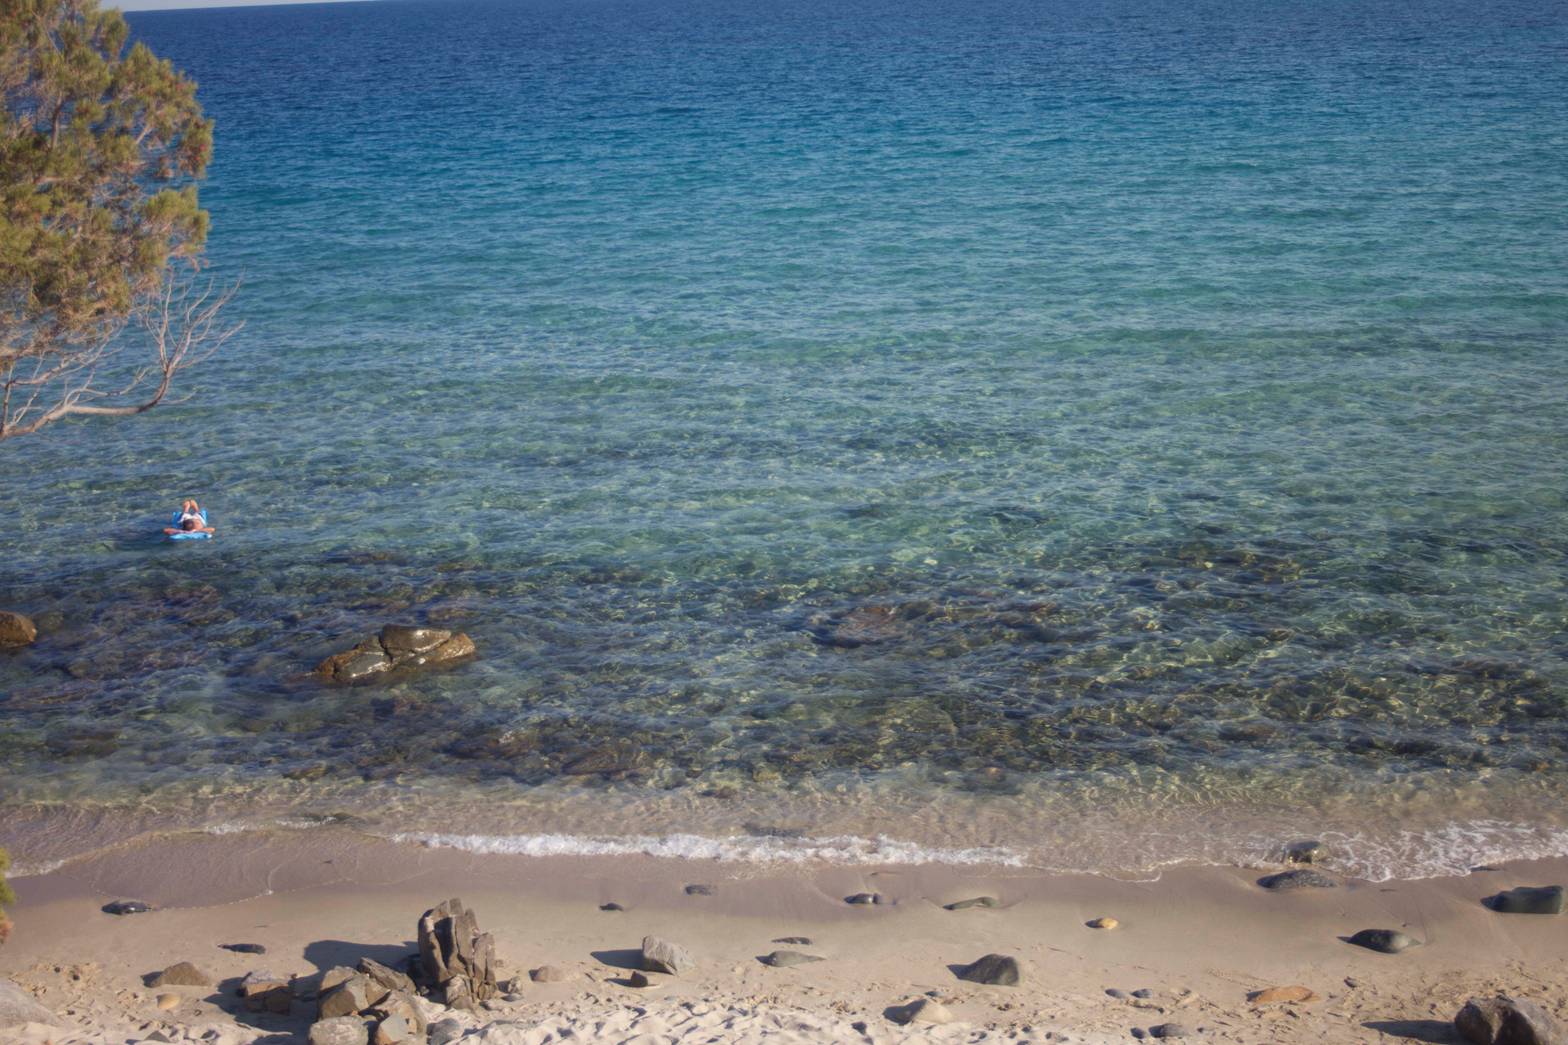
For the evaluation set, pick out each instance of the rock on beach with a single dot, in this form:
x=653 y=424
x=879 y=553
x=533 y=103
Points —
x=1384 y=941
x=1300 y=879
x=1507 y=1021
x=17 y=1006
x=1546 y=899
x=997 y=970
x=662 y=956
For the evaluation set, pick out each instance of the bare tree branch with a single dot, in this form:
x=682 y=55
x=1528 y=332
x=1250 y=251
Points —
x=183 y=326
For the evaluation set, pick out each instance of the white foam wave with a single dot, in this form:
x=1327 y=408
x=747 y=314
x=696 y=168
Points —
x=841 y=849
x=1446 y=851
x=33 y=870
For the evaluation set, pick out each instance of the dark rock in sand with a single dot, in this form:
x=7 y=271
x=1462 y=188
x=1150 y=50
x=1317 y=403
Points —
x=127 y=907
x=1143 y=992
x=16 y=630
x=662 y=956
x=180 y=974
x=244 y=948
x=1287 y=880
x=1547 y=899
x=1480 y=1020
x=455 y=957
x=340 y=1030
x=1117 y=993
x=1386 y=941
x=1304 y=852
x=1000 y=970
x=1507 y=1021
x=611 y=906
x=699 y=890
x=1169 y=1030
x=802 y=941
x=637 y=979
x=786 y=959
x=17 y=1006
x=864 y=898
x=976 y=901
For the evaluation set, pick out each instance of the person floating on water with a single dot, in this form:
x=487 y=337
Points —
x=190 y=520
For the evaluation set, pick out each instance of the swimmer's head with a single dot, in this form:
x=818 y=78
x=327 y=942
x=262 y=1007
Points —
x=189 y=524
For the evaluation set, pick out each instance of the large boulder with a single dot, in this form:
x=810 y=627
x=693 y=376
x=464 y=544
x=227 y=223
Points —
x=1507 y=1021
x=663 y=956
x=1384 y=941
x=18 y=1007
x=399 y=647
x=455 y=958
x=16 y=630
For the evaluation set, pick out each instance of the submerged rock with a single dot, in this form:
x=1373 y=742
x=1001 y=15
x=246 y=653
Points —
x=862 y=899
x=1384 y=941
x=1288 y=880
x=999 y=970
x=127 y=907
x=1304 y=852
x=16 y=630
x=1546 y=899
x=397 y=648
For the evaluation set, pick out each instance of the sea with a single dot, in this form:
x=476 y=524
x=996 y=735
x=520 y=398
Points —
x=1086 y=435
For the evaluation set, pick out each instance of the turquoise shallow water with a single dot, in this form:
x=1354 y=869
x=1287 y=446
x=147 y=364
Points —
x=1112 y=434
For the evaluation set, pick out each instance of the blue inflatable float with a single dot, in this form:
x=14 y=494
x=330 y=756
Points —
x=188 y=535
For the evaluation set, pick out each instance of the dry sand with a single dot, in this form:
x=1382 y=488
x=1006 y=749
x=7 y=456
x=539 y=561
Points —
x=1198 y=939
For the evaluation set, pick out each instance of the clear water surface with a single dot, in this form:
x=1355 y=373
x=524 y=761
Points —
x=1092 y=434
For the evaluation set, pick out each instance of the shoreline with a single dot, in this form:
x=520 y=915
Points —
x=1201 y=939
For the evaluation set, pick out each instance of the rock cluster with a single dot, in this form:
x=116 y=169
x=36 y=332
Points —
x=398 y=648
x=456 y=959
x=1507 y=1021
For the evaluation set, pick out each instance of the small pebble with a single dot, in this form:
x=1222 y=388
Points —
x=637 y=979
x=167 y=1002
x=126 y=907
x=1143 y=992
x=1169 y=1030
x=699 y=890
x=611 y=906
x=864 y=898
x=1117 y=993
x=804 y=941
x=1104 y=923
x=244 y=948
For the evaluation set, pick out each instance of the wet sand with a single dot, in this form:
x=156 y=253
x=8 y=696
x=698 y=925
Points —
x=1199 y=939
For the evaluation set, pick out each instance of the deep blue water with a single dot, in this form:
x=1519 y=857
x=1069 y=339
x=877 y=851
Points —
x=1168 y=396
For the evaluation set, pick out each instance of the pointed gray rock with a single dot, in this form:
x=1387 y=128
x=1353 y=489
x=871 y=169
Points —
x=662 y=956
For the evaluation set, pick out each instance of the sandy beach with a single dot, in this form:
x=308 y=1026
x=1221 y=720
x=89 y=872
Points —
x=1190 y=949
